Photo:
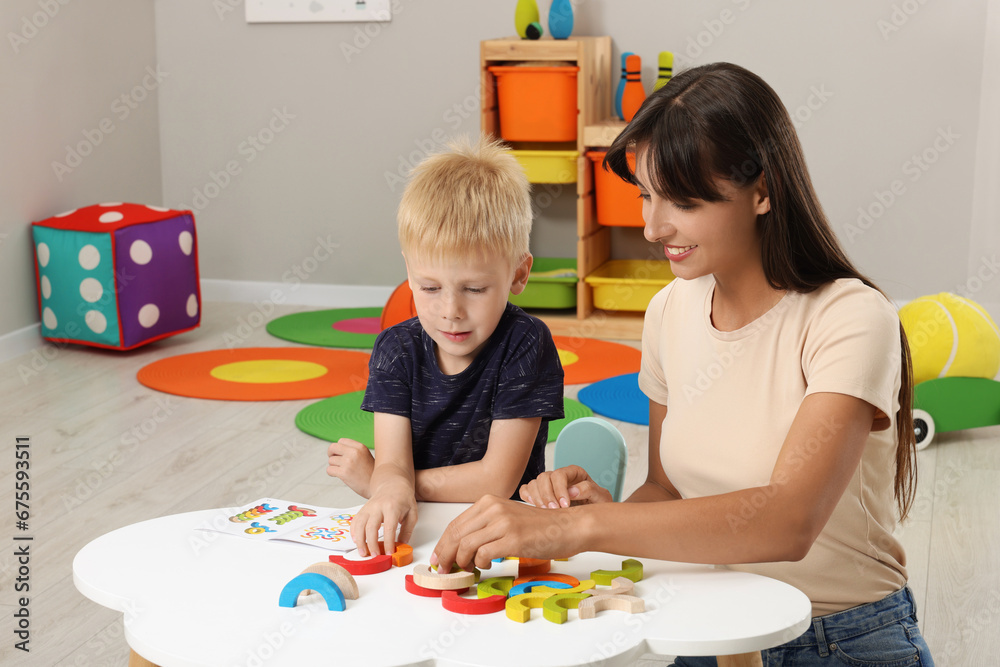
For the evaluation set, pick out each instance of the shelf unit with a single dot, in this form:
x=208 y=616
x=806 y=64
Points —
x=594 y=89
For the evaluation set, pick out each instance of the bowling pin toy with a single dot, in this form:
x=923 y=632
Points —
x=560 y=19
x=526 y=19
x=666 y=70
x=634 y=94
x=621 y=87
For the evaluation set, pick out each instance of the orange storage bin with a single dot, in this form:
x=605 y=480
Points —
x=617 y=202
x=536 y=103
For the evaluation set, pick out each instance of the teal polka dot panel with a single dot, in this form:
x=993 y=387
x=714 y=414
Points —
x=117 y=275
x=76 y=285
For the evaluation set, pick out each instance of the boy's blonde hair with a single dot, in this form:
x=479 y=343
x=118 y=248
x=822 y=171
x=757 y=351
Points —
x=470 y=197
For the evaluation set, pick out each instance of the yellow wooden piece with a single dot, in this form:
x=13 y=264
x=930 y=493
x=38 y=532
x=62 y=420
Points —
x=585 y=586
x=742 y=660
x=519 y=607
x=555 y=608
x=631 y=569
x=619 y=586
x=427 y=578
x=630 y=604
x=494 y=586
x=338 y=575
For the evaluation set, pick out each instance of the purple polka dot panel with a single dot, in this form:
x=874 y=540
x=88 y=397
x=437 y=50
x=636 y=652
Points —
x=117 y=275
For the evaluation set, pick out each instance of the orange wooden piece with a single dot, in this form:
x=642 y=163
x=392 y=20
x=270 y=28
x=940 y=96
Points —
x=403 y=555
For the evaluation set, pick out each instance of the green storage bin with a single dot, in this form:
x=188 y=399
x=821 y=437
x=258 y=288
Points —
x=552 y=284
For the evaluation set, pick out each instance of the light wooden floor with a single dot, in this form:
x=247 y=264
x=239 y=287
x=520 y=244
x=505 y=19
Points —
x=107 y=452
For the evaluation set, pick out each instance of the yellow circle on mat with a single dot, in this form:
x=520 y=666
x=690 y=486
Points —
x=566 y=357
x=268 y=371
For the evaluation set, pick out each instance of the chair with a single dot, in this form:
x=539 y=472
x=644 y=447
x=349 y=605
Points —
x=598 y=447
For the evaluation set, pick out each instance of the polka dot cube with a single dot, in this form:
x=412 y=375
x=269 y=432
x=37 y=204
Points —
x=117 y=275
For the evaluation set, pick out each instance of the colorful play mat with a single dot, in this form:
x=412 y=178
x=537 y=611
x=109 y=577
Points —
x=342 y=417
x=587 y=360
x=618 y=398
x=259 y=373
x=337 y=327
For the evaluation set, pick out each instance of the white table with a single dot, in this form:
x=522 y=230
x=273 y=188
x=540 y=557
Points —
x=199 y=598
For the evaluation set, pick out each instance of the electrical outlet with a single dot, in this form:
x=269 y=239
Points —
x=306 y=11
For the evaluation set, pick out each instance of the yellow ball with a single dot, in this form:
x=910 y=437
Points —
x=950 y=336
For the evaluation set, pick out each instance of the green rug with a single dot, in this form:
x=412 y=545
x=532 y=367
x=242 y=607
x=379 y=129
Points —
x=337 y=327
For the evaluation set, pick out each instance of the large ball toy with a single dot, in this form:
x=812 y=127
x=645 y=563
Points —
x=950 y=336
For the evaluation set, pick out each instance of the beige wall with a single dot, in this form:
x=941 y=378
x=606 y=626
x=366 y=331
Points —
x=285 y=138
x=67 y=136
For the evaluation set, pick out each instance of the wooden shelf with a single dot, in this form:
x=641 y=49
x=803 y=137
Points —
x=592 y=54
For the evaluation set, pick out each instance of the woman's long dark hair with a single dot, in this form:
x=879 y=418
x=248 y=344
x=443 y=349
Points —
x=722 y=121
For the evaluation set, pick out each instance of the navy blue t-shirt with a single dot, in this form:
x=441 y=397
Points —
x=516 y=375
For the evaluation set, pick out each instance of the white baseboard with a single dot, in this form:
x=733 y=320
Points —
x=298 y=294
x=23 y=341
x=19 y=342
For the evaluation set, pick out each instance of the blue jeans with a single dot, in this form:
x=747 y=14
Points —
x=882 y=633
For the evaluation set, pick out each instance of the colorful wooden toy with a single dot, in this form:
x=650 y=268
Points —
x=666 y=71
x=555 y=607
x=330 y=591
x=621 y=87
x=494 y=586
x=629 y=604
x=527 y=567
x=399 y=307
x=372 y=565
x=549 y=576
x=528 y=586
x=585 y=586
x=634 y=94
x=526 y=19
x=403 y=555
x=631 y=569
x=619 y=586
x=560 y=19
x=519 y=608
x=338 y=575
x=424 y=576
x=117 y=275
x=412 y=587
x=452 y=601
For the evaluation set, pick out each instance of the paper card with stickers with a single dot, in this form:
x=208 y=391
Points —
x=269 y=519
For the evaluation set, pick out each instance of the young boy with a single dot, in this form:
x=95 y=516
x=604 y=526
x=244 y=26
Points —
x=463 y=392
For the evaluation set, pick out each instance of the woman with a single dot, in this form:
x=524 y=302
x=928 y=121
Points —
x=779 y=382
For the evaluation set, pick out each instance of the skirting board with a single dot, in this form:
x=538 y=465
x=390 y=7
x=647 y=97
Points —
x=24 y=341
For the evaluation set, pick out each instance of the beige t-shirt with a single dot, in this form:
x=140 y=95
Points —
x=731 y=398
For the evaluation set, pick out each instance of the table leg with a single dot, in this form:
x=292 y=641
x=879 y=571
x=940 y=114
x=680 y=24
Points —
x=136 y=660
x=741 y=660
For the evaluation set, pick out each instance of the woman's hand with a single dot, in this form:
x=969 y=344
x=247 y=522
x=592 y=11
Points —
x=564 y=487
x=351 y=462
x=497 y=528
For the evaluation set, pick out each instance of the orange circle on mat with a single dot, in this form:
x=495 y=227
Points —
x=191 y=374
x=269 y=371
x=598 y=359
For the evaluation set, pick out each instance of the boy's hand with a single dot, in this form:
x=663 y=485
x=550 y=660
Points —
x=388 y=509
x=351 y=462
x=564 y=487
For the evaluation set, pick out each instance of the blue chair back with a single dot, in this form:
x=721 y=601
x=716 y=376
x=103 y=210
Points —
x=598 y=447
